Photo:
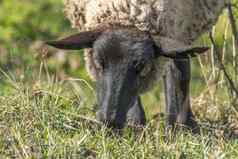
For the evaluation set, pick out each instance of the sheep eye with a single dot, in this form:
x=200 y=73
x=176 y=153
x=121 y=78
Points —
x=102 y=63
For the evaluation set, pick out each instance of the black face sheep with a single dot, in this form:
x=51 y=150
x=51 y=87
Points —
x=125 y=44
x=125 y=62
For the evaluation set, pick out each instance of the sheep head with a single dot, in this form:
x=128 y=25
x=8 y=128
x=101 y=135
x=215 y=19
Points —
x=124 y=57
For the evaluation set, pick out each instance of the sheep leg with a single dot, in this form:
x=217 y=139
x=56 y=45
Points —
x=136 y=114
x=178 y=110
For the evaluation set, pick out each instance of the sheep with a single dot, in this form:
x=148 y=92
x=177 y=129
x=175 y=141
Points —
x=127 y=45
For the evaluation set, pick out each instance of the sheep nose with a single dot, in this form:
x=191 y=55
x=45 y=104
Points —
x=109 y=119
x=105 y=117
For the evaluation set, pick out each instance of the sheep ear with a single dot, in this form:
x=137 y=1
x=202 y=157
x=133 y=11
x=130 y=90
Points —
x=185 y=52
x=174 y=49
x=77 y=41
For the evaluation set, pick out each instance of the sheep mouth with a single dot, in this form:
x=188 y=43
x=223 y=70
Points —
x=115 y=93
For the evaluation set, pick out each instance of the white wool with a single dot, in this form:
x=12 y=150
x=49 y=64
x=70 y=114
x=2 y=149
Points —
x=183 y=20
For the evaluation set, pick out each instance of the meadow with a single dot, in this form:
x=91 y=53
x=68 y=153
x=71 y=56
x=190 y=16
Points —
x=47 y=101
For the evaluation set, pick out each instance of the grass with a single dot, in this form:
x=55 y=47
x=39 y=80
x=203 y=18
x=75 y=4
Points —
x=43 y=120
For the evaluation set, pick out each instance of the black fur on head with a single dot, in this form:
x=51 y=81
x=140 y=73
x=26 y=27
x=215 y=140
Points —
x=126 y=58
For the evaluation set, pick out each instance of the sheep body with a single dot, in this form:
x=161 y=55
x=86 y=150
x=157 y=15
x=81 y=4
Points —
x=183 y=20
